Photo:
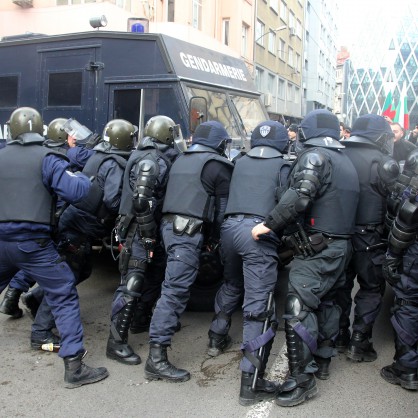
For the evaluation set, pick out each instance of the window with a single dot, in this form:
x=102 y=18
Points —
x=274 y=5
x=64 y=89
x=8 y=91
x=244 y=40
x=290 y=92
x=299 y=29
x=281 y=89
x=297 y=95
x=292 y=24
x=282 y=49
x=259 y=32
x=272 y=42
x=259 y=75
x=297 y=62
x=72 y=2
x=270 y=83
x=170 y=10
x=290 y=60
x=197 y=14
x=225 y=31
x=283 y=10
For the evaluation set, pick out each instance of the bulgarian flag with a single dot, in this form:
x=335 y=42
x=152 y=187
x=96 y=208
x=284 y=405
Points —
x=402 y=116
x=388 y=107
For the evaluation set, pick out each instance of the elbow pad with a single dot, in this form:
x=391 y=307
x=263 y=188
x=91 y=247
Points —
x=388 y=170
x=404 y=229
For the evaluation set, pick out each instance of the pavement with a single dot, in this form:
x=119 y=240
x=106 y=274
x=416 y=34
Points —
x=31 y=382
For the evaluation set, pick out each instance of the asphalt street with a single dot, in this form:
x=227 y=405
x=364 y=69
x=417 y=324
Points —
x=31 y=382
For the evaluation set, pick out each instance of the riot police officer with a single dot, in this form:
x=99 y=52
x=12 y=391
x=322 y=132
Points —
x=196 y=198
x=93 y=218
x=317 y=215
x=25 y=230
x=58 y=140
x=250 y=265
x=142 y=258
x=369 y=149
x=400 y=269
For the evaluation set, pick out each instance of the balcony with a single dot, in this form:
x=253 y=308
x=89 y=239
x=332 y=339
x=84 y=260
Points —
x=25 y=4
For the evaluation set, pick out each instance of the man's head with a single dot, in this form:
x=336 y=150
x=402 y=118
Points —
x=118 y=134
x=292 y=132
x=213 y=135
x=398 y=131
x=161 y=129
x=271 y=134
x=56 y=131
x=25 y=120
x=375 y=129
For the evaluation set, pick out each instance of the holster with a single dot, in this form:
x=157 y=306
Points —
x=314 y=244
x=185 y=225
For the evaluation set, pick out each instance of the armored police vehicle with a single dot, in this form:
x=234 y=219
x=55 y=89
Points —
x=94 y=77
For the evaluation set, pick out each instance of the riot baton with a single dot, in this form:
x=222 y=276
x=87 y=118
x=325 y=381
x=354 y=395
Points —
x=261 y=349
x=377 y=246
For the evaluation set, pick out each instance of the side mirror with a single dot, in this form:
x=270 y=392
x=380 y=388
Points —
x=198 y=112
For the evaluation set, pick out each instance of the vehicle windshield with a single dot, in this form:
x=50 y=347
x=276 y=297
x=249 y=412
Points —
x=218 y=109
x=250 y=112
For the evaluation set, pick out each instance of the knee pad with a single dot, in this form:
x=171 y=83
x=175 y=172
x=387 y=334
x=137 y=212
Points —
x=134 y=283
x=294 y=307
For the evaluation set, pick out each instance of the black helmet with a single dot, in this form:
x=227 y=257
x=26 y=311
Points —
x=373 y=129
x=162 y=129
x=25 y=120
x=321 y=128
x=119 y=133
x=211 y=134
x=270 y=133
x=56 y=131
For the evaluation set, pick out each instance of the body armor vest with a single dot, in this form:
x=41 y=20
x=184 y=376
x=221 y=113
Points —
x=93 y=203
x=372 y=205
x=185 y=192
x=334 y=211
x=28 y=200
x=254 y=186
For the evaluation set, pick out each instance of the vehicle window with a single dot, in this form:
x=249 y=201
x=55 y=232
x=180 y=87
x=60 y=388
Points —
x=64 y=89
x=218 y=109
x=250 y=111
x=8 y=91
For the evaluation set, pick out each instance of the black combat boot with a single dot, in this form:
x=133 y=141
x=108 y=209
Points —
x=264 y=390
x=323 y=367
x=31 y=303
x=305 y=382
x=399 y=375
x=360 y=348
x=218 y=343
x=78 y=374
x=10 y=303
x=342 y=340
x=158 y=367
x=117 y=345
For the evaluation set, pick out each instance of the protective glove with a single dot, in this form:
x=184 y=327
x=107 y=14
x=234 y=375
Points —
x=391 y=266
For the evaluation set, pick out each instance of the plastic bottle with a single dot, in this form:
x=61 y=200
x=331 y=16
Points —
x=51 y=347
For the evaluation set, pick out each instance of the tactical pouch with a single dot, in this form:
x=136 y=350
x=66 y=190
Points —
x=318 y=242
x=180 y=224
x=189 y=226
x=123 y=226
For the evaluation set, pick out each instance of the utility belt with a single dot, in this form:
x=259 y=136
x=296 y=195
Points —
x=303 y=244
x=184 y=224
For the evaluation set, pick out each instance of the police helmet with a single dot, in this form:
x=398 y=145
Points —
x=25 y=120
x=119 y=133
x=270 y=133
x=320 y=127
x=374 y=129
x=213 y=135
x=56 y=131
x=161 y=129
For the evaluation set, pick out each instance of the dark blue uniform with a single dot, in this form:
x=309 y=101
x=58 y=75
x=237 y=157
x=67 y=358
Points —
x=28 y=246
